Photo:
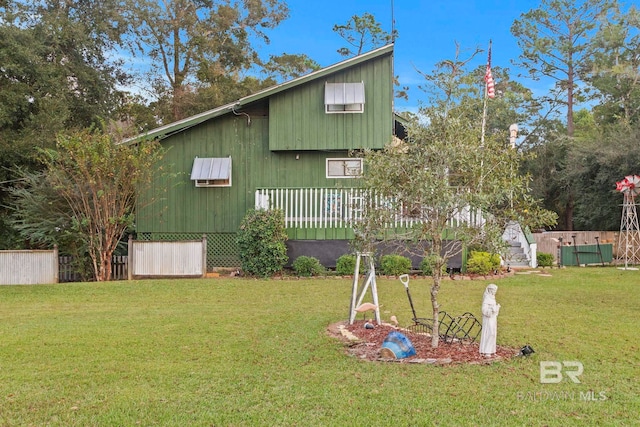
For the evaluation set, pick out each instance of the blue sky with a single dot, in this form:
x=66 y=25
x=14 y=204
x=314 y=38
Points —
x=427 y=32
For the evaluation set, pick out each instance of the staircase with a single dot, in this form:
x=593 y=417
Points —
x=516 y=256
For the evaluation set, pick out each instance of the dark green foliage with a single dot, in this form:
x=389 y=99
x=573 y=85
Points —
x=58 y=75
x=596 y=166
x=307 y=266
x=394 y=265
x=483 y=262
x=544 y=259
x=427 y=263
x=42 y=217
x=261 y=244
x=346 y=265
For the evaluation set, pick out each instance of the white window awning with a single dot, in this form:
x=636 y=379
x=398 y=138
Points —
x=211 y=171
x=344 y=93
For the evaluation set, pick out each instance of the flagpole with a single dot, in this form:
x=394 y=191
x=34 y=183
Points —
x=486 y=96
x=484 y=118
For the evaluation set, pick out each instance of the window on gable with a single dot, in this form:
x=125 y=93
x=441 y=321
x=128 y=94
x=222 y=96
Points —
x=344 y=97
x=344 y=168
x=211 y=172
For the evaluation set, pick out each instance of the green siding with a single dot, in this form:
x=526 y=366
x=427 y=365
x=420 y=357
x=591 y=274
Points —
x=299 y=122
x=183 y=208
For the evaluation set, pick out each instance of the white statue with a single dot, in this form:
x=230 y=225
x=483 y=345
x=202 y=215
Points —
x=490 y=310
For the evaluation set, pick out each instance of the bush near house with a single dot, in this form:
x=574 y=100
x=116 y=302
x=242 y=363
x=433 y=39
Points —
x=261 y=244
x=425 y=266
x=544 y=259
x=483 y=263
x=307 y=266
x=346 y=265
x=394 y=265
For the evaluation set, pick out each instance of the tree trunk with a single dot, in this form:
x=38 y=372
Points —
x=96 y=265
x=435 y=337
x=436 y=249
x=570 y=130
x=105 y=267
x=178 y=75
x=570 y=83
x=568 y=213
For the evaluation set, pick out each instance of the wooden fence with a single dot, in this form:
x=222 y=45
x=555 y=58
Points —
x=68 y=270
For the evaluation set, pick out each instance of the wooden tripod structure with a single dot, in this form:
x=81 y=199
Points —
x=359 y=291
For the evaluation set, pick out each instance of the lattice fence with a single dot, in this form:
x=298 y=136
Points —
x=222 y=250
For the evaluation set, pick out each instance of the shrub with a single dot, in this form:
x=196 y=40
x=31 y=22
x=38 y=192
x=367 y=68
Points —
x=308 y=266
x=425 y=265
x=261 y=244
x=346 y=265
x=544 y=259
x=394 y=265
x=483 y=262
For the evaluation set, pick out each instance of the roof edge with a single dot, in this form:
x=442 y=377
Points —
x=194 y=120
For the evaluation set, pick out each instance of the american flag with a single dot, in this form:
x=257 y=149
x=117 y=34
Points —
x=488 y=78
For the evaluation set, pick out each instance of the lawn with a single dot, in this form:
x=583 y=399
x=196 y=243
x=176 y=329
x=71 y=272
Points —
x=243 y=352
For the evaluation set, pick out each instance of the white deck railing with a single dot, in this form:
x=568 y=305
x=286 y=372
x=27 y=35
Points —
x=333 y=208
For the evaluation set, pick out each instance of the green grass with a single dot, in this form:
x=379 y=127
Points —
x=255 y=352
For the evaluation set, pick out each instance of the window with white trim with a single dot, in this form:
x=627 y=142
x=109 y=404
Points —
x=344 y=168
x=344 y=97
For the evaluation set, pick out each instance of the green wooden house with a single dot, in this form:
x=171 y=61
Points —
x=285 y=147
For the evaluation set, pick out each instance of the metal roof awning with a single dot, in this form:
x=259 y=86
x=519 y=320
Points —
x=211 y=168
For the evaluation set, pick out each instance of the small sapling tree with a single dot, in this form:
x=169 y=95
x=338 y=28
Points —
x=449 y=188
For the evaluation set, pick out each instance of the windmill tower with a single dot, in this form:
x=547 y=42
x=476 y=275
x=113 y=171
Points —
x=629 y=239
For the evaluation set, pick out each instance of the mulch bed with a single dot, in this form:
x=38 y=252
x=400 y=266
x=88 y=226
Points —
x=369 y=341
